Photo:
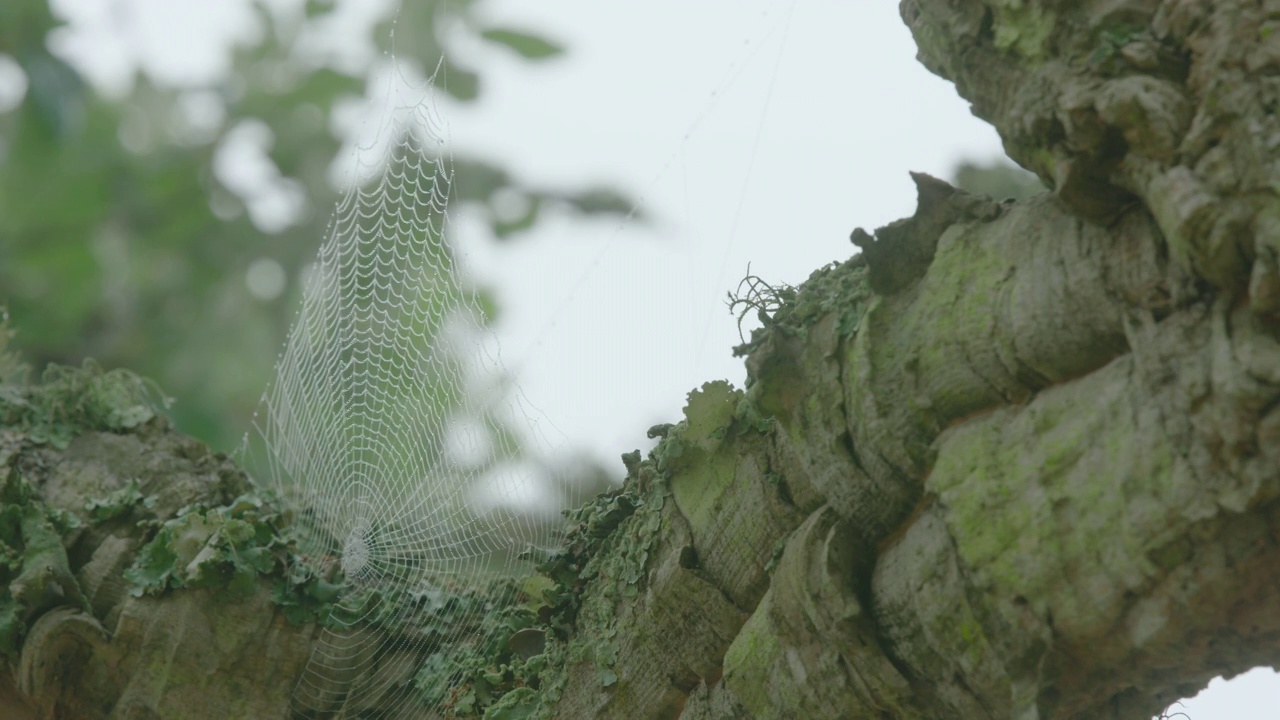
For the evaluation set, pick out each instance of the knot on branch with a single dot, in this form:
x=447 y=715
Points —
x=900 y=252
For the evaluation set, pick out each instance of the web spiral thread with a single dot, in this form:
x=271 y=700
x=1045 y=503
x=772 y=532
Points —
x=361 y=432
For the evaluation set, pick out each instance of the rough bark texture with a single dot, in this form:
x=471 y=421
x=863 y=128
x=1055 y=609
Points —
x=1018 y=460
x=1040 y=479
x=189 y=654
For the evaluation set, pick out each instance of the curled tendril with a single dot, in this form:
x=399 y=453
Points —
x=759 y=295
x=1168 y=715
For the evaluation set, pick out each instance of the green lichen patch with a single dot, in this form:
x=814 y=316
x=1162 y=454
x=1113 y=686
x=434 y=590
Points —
x=693 y=454
x=307 y=594
x=118 y=503
x=1111 y=41
x=706 y=466
x=35 y=573
x=1034 y=496
x=750 y=658
x=491 y=673
x=471 y=665
x=841 y=288
x=709 y=414
x=603 y=562
x=518 y=704
x=484 y=673
x=1024 y=28
x=225 y=547
x=71 y=400
x=714 y=412
x=590 y=528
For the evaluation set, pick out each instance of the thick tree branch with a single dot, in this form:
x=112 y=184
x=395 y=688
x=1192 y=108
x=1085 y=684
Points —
x=1015 y=460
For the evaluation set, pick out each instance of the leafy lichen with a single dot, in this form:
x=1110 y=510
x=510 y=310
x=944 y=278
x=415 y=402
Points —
x=71 y=400
x=118 y=503
x=485 y=674
x=1024 y=28
x=35 y=573
x=246 y=545
x=607 y=549
x=236 y=547
x=1106 y=55
x=225 y=547
x=841 y=288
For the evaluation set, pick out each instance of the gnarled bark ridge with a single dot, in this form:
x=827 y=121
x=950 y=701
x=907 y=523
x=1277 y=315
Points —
x=1037 y=476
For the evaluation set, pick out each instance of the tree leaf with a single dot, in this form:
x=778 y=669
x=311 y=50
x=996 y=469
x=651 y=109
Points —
x=602 y=201
x=316 y=8
x=57 y=94
x=530 y=47
x=462 y=84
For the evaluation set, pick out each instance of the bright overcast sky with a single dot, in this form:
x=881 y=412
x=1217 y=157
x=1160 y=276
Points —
x=757 y=132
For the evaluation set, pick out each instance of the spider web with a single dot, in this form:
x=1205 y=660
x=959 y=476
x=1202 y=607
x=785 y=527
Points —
x=384 y=423
x=384 y=398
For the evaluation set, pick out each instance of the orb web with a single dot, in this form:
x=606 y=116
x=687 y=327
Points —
x=356 y=552
x=379 y=385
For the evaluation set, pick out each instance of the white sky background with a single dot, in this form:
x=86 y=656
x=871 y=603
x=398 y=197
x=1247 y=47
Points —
x=756 y=132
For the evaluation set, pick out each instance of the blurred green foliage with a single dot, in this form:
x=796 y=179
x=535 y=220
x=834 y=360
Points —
x=119 y=239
